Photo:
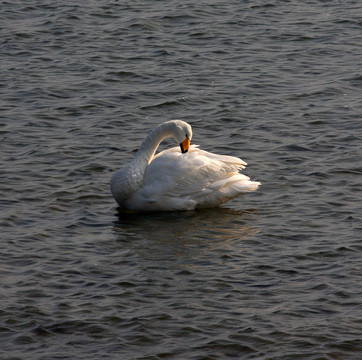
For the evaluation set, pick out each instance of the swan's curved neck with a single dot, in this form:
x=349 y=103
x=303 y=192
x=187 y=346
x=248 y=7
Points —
x=147 y=151
x=150 y=145
x=126 y=181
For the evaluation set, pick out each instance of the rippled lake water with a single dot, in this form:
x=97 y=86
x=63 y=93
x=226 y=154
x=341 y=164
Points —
x=275 y=274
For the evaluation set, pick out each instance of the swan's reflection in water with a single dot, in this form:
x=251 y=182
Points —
x=208 y=227
x=184 y=249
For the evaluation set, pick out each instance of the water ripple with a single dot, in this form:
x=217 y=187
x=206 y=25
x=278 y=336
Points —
x=274 y=274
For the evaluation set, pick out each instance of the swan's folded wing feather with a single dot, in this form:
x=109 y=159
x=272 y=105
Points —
x=167 y=174
x=195 y=150
x=225 y=159
x=193 y=175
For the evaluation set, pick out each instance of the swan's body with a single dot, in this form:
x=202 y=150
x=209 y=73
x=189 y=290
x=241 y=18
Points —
x=175 y=179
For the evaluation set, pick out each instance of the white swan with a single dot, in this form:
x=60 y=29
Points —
x=178 y=180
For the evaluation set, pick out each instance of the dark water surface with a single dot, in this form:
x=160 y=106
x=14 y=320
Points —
x=275 y=274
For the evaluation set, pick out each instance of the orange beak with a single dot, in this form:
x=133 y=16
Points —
x=185 y=145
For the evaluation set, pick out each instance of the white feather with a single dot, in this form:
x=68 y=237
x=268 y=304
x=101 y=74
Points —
x=175 y=181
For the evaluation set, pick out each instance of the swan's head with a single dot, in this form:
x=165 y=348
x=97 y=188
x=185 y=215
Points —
x=182 y=132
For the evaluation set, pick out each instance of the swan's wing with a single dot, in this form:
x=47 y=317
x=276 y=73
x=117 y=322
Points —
x=199 y=176
x=196 y=151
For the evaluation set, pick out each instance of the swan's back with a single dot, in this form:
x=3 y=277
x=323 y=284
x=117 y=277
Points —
x=197 y=179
